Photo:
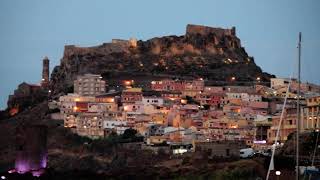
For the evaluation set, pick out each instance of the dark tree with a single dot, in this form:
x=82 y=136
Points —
x=129 y=134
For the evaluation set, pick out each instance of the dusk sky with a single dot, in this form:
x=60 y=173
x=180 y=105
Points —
x=32 y=29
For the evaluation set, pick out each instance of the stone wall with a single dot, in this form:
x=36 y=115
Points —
x=224 y=149
x=205 y=30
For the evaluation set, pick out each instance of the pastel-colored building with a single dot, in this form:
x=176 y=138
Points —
x=102 y=107
x=89 y=85
x=212 y=99
x=117 y=126
x=156 y=140
x=262 y=124
x=276 y=83
x=213 y=89
x=159 y=118
x=167 y=85
x=178 y=85
x=68 y=102
x=133 y=107
x=71 y=104
x=311 y=113
x=152 y=100
x=111 y=97
x=69 y=120
x=255 y=97
x=173 y=96
x=131 y=116
x=131 y=95
x=287 y=127
x=90 y=125
x=215 y=100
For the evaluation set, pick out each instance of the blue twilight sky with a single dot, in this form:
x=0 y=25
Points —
x=32 y=29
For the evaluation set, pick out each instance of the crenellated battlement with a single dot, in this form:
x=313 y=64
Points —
x=205 y=30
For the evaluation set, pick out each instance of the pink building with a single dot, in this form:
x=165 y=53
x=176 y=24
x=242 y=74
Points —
x=212 y=99
x=177 y=85
x=167 y=85
x=213 y=89
x=215 y=99
x=261 y=108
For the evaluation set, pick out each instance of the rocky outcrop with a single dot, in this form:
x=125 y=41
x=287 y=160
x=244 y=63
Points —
x=215 y=54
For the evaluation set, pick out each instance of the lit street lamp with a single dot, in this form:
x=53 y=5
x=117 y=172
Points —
x=278 y=173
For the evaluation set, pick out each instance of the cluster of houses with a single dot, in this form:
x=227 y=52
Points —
x=185 y=112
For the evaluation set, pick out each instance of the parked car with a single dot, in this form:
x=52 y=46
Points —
x=246 y=153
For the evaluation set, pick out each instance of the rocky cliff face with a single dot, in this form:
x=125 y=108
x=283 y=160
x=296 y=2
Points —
x=212 y=53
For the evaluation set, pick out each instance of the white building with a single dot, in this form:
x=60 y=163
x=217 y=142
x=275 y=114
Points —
x=102 y=107
x=118 y=126
x=236 y=95
x=255 y=97
x=152 y=104
x=244 y=96
x=133 y=107
x=152 y=100
x=89 y=85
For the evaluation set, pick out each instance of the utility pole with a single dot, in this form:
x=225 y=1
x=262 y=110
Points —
x=298 y=107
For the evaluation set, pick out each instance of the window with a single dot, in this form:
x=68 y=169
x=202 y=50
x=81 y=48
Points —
x=20 y=147
x=227 y=152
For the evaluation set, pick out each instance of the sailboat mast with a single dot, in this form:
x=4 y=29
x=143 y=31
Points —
x=298 y=107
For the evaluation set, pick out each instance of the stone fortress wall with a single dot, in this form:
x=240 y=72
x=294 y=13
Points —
x=205 y=30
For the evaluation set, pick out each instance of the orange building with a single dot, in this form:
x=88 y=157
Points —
x=287 y=127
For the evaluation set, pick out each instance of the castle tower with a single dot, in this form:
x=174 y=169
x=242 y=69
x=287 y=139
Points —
x=45 y=72
x=233 y=31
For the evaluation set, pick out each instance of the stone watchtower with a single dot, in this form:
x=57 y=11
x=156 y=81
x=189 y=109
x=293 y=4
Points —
x=45 y=72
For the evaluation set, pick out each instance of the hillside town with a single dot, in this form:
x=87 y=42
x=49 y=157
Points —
x=184 y=114
x=218 y=90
